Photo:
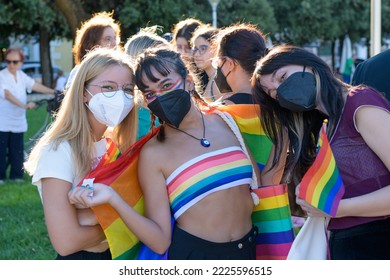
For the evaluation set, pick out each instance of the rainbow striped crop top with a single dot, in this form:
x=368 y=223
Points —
x=208 y=173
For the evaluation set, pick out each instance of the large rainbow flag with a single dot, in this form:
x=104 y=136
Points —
x=321 y=186
x=272 y=215
x=120 y=172
x=248 y=120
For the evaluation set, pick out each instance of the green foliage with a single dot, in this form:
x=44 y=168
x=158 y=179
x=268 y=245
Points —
x=297 y=22
x=352 y=17
x=23 y=17
x=167 y=13
x=258 y=12
x=304 y=21
x=164 y=13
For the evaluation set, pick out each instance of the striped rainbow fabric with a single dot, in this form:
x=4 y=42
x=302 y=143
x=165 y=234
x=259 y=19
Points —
x=120 y=172
x=273 y=219
x=247 y=119
x=272 y=215
x=207 y=173
x=322 y=186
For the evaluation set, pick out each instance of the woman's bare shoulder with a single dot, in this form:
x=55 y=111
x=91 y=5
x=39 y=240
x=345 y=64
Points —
x=152 y=151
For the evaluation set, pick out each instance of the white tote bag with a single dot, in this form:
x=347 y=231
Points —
x=311 y=242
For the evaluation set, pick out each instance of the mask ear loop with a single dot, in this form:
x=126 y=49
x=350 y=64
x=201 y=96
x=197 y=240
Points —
x=87 y=102
x=304 y=68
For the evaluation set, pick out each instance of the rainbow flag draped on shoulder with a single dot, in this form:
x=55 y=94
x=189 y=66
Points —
x=120 y=172
x=322 y=186
x=272 y=215
x=247 y=119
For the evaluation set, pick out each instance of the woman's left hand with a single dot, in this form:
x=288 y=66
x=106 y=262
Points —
x=307 y=207
x=89 y=197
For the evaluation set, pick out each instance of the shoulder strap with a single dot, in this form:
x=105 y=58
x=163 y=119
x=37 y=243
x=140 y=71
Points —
x=233 y=126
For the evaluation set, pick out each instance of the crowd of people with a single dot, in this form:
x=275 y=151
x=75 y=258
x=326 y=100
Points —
x=199 y=162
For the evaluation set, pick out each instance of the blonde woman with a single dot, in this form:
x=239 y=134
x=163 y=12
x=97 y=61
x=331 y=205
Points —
x=100 y=97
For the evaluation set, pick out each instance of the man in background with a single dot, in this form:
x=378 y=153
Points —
x=375 y=72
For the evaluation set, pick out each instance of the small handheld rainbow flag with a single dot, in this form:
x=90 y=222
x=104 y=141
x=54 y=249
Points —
x=322 y=186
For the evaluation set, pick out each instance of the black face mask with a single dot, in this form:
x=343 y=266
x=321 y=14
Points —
x=298 y=92
x=220 y=81
x=171 y=107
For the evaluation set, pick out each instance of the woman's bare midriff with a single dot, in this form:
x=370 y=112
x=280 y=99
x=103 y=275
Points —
x=223 y=216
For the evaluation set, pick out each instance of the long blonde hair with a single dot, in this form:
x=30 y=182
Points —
x=71 y=122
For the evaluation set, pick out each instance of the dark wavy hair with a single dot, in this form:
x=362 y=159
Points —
x=244 y=43
x=164 y=60
x=301 y=128
x=205 y=31
x=185 y=28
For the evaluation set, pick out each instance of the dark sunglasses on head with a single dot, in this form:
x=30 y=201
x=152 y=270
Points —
x=12 y=61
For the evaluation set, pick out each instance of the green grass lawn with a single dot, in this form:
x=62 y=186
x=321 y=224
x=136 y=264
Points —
x=23 y=234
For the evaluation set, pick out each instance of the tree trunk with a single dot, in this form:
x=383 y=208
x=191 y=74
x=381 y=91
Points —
x=44 y=53
x=73 y=12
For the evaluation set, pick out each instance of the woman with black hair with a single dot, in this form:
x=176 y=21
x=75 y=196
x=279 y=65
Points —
x=196 y=168
x=297 y=91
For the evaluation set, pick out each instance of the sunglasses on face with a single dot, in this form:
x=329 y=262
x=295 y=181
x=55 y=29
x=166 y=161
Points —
x=12 y=61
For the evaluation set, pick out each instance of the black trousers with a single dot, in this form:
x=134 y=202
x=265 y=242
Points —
x=11 y=152
x=369 y=241
x=84 y=255
x=186 y=246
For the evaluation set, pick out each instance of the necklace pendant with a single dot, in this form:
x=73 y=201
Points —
x=205 y=143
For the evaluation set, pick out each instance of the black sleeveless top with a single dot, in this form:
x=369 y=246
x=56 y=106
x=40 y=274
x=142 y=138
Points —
x=241 y=98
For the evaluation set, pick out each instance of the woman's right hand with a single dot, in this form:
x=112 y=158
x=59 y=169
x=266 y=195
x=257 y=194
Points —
x=31 y=105
x=89 y=197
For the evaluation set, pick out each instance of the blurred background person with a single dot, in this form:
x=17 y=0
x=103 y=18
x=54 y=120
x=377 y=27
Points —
x=374 y=72
x=136 y=45
x=99 y=31
x=182 y=33
x=59 y=81
x=203 y=52
x=13 y=104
